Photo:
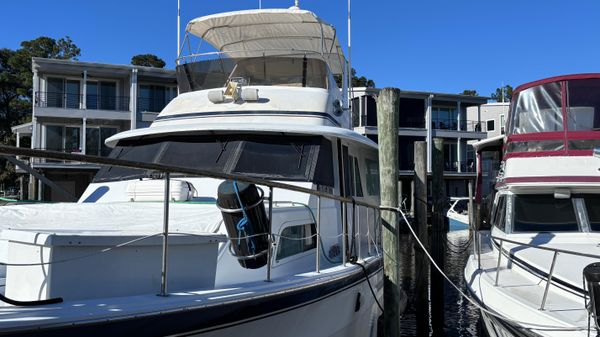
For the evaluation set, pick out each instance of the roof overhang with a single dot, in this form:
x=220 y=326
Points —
x=25 y=128
x=266 y=32
x=496 y=141
x=237 y=128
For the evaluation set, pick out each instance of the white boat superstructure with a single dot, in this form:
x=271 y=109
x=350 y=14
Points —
x=530 y=272
x=264 y=219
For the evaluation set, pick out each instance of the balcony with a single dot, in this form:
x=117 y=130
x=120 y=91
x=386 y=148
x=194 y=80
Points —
x=452 y=124
x=75 y=101
x=69 y=105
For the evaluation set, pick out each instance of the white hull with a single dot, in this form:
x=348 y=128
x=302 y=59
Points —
x=316 y=319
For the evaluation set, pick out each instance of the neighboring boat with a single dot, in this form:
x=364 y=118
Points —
x=458 y=214
x=265 y=105
x=530 y=272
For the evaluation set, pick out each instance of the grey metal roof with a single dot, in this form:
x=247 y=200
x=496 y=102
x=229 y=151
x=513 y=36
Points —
x=425 y=94
x=70 y=66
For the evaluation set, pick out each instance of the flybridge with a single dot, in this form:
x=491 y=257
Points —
x=268 y=32
x=558 y=116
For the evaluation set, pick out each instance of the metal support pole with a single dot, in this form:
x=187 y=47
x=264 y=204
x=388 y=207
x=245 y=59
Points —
x=369 y=229
x=165 y=251
x=270 y=250
x=498 y=265
x=344 y=232
x=472 y=227
x=357 y=235
x=318 y=253
x=549 y=281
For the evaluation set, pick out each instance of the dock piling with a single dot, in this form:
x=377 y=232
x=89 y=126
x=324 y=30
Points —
x=419 y=205
x=388 y=110
x=438 y=236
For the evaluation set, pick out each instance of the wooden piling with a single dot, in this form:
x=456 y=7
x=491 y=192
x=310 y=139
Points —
x=388 y=109
x=419 y=205
x=438 y=236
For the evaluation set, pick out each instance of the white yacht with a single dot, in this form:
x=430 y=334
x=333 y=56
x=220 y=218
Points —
x=534 y=273
x=458 y=214
x=280 y=237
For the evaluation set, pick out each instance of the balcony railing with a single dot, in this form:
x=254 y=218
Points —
x=468 y=166
x=75 y=101
x=452 y=124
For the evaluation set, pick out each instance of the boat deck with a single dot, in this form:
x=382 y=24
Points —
x=519 y=295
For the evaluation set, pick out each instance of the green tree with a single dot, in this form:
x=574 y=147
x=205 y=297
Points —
x=469 y=92
x=356 y=81
x=505 y=92
x=148 y=60
x=16 y=82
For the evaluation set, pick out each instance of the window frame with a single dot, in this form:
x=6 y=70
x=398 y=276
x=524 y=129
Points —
x=487 y=125
x=292 y=257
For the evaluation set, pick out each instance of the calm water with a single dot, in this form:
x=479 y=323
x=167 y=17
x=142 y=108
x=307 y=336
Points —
x=461 y=317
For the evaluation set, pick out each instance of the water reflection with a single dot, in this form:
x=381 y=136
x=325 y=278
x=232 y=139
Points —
x=461 y=317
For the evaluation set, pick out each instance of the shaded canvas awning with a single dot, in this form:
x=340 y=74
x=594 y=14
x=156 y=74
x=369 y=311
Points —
x=265 y=32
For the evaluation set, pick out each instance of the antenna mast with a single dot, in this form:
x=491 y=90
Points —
x=349 y=58
x=178 y=31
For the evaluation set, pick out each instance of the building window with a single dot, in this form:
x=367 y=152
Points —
x=63 y=138
x=295 y=240
x=490 y=124
x=62 y=93
x=502 y=122
x=102 y=95
x=94 y=140
x=445 y=118
x=155 y=97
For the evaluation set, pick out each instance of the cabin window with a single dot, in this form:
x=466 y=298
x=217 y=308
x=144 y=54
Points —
x=295 y=240
x=543 y=213
x=538 y=109
x=461 y=206
x=583 y=109
x=499 y=216
x=592 y=205
x=372 y=175
x=280 y=158
x=290 y=71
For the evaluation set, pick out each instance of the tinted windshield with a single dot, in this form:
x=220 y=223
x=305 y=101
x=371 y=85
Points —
x=583 y=112
x=543 y=213
x=281 y=158
x=298 y=71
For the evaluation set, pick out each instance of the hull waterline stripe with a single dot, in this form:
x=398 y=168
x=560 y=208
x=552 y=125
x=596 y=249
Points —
x=210 y=318
x=269 y=113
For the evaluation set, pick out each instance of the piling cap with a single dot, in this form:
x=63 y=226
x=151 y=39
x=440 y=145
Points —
x=591 y=272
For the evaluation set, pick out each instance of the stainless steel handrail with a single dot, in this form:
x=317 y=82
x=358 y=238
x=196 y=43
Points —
x=168 y=169
x=18 y=151
x=556 y=251
x=564 y=251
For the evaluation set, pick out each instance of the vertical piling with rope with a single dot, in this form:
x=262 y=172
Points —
x=438 y=235
x=421 y=296
x=388 y=110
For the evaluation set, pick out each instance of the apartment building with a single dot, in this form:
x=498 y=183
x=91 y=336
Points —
x=77 y=106
x=423 y=116
x=493 y=116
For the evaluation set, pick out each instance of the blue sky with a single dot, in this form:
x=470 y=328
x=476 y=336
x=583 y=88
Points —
x=442 y=46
